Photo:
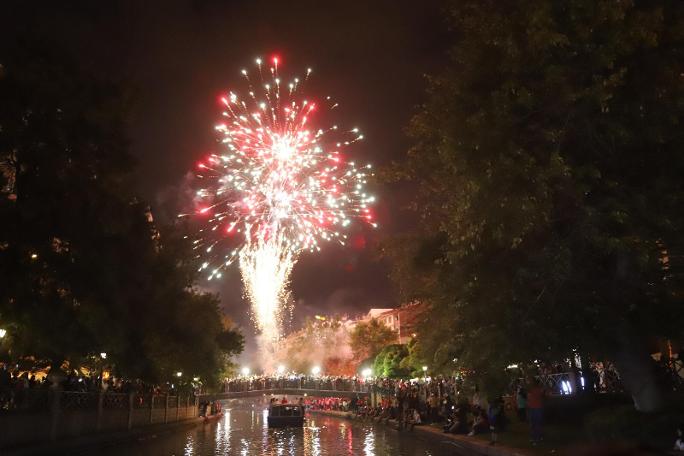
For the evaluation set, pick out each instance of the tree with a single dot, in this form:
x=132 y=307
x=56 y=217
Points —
x=388 y=363
x=547 y=163
x=64 y=164
x=367 y=339
x=323 y=343
x=84 y=268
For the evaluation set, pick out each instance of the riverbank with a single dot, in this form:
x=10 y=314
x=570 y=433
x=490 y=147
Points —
x=86 y=443
x=467 y=444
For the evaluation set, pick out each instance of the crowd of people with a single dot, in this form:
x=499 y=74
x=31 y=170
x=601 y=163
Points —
x=20 y=390
x=445 y=402
x=441 y=401
x=296 y=381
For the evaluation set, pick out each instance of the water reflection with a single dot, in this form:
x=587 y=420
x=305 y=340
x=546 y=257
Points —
x=244 y=430
x=312 y=439
x=369 y=444
x=189 y=447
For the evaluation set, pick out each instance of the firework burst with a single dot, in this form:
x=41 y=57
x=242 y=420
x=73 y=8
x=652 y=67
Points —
x=280 y=186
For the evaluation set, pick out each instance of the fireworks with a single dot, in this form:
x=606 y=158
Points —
x=280 y=186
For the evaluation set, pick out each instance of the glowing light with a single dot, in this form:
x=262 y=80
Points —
x=103 y=355
x=424 y=368
x=281 y=369
x=280 y=186
x=367 y=372
x=179 y=374
x=315 y=370
x=3 y=333
x=245 y=371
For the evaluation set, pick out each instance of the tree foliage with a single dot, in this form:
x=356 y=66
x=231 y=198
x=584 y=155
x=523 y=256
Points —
x=323 y=343
x=367 y=339
x=547 y=162
x=388 y=363
x=84 y=268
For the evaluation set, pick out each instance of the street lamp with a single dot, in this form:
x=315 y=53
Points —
x=425 y=371
x=179 y=374
x=103 y=355
x=316 y=370
x=281 y=369
x=3 y=333
x=245 y=371
x=367 y=372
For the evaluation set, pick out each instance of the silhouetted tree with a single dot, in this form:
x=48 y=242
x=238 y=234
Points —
x=84 y=268
x=548 y=168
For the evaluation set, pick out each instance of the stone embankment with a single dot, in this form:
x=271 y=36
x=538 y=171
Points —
x=61 y=419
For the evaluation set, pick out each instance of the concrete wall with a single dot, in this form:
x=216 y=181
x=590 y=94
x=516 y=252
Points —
x=18 y=428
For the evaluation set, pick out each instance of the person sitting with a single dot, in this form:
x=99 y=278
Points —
x=679 y=443
x=414 y=419
x=458 y=423
x=481 y=424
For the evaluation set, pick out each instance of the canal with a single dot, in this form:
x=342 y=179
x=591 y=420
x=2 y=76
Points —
x=243 y=431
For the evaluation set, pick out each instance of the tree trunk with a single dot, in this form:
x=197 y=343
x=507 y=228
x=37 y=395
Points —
x=636 y=369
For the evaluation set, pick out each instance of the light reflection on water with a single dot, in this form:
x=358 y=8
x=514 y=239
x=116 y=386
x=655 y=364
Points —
x=244 y=430
x=369 y=444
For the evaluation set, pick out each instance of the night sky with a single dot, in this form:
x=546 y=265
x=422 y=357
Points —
x=177 y=57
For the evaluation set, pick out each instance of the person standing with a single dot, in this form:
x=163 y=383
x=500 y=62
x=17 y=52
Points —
x=521 y=403
x=433 y=403
x=535 y=410
x=496 y=419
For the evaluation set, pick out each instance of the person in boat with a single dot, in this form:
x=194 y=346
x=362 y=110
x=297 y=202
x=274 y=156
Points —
x=217 y=407
x=283 y=400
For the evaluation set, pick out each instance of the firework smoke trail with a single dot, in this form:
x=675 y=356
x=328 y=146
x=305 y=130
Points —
x=281 y=186
x=265 y=266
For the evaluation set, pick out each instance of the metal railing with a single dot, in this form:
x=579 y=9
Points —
x=37 y=400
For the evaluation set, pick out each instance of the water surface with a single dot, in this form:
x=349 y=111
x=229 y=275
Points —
x=243 y=430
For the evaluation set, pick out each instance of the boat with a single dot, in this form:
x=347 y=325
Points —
x=286 y=415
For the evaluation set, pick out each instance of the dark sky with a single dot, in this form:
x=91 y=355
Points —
x=178 y=56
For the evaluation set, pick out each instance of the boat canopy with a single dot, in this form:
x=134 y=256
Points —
x=285 y=410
